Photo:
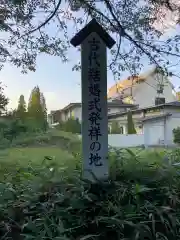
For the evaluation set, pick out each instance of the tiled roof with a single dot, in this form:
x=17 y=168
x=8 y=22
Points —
x=124 y=84
x=156 y=117
x=175 y=104
x=129 y=82
x=119 y=103
x=77 y=104
x=114 y=103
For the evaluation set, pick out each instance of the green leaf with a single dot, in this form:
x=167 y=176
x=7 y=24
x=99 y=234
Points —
x=89 y=236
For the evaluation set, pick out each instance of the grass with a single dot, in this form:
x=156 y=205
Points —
x=32 y=151
x=36 y=155
x=15 y=158
x=42 y=195
x=53 y=137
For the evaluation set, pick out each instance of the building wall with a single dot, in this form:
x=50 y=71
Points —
x=124 y=141
x=172 y=122
x=131 y=140
x=49 y=119
x=76 y=112
x=174 y=111
x=122 y=125
x=116 y=110
x=161 y=130
x=154 y=131
x=145 y=93
x=137 y=117
x=122 y=120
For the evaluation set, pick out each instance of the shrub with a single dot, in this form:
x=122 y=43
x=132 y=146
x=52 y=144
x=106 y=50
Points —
x=71 y=125
x=176 y=133
x=12 y=128
x=53 y=138
x=4 y=142
x=140 y=201
x=115 y=129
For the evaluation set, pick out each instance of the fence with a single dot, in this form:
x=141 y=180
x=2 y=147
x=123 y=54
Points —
x=122 y=140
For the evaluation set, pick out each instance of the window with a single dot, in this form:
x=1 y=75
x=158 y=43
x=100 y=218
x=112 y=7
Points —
x=109 y=110
x=160 y=88
x=159 y=101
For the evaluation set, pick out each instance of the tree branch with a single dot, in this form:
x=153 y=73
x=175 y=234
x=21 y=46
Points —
x=157 y=50
x=46 y=21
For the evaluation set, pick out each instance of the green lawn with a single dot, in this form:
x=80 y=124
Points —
x=31 y=154
x=19 y=159
x=15 y=161
x=28 y=153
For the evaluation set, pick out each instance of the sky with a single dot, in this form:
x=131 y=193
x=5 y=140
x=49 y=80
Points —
x=59 y=84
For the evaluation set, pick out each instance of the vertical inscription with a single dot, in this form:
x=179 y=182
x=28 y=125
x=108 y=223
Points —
x=94 y=107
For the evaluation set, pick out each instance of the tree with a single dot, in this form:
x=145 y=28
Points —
x=21 y=109
x=44 y=108
x=115 y=129
x=43 y=102
x=35 y=109
x=3 y=100
x=130 y=125
x=132 y=22
x=176 y=134
x=71 y=125
x=11 y=114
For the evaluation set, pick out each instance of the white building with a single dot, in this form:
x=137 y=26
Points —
x=74 y=110
x=155 y=122
x=144 y=90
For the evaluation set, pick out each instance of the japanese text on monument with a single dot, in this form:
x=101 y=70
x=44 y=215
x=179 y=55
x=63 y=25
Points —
x=94 y=106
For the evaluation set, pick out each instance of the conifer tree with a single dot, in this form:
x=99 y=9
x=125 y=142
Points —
x=21 y=109
x=43 y=104
x=130 y=124
x=3 y=100
x=44 y=108
x=35 y=108
x=115 y=129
